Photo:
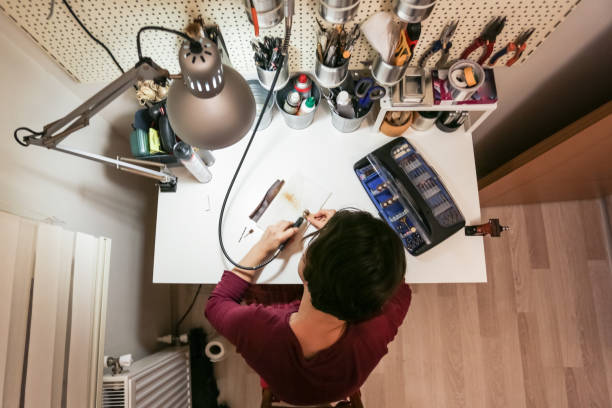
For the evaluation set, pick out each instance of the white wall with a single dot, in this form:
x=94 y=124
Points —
x=81 y=195
x=567 y=77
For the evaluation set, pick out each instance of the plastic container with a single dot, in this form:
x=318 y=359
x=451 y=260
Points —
x=413 y=11
x=330 y=77
x=266 y=77
x=344 y=105
x=338 y=11
x=269 y=12
x=387 y=74
x=139 y=143
x=459 y=88
x=307 y=106
x=297 y=121
x=423 y=121
x=292 y=102
x=259 y=93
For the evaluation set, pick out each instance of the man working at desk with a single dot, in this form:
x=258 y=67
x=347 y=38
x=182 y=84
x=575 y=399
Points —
x=323 y=348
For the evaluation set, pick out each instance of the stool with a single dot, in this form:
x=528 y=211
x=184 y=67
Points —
x=268 y=400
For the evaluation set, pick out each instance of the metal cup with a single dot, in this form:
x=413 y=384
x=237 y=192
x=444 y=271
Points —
x=413 y=11
x=269 y=12
x=297 y=121
x=330 y=77
x=423 y=121
x=347 y=125
x=266 y=77
x=259 y=93
x=338 y=11
x=387 y=74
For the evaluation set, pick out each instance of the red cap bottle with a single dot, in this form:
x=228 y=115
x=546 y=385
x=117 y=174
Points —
x=303 y=85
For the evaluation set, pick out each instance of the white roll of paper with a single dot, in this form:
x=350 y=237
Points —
x=215 y=351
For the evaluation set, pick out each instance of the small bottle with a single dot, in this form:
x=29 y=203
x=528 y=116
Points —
x=303 y=85
x=292 y=103
x=344 y=105
x=192 y=162
x=307 y=106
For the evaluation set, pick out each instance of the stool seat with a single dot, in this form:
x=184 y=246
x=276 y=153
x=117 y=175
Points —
x=268 y=400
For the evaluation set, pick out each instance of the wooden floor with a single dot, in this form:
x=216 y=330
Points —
x=538 y=334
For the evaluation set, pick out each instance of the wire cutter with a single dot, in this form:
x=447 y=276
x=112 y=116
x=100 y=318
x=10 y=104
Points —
x=518 y=46
x=443 y=44
x=486 y=39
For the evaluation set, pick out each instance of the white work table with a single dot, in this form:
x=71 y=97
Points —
x=186 y=244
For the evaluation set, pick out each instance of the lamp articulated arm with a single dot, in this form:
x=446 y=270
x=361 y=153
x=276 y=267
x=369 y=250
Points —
x=55 y=132
x=52 y=133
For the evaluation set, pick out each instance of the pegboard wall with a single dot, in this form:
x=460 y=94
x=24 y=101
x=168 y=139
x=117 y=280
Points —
x=116 y=23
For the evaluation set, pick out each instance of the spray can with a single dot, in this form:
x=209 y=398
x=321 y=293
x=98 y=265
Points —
x=192 y=162
x=303 y=85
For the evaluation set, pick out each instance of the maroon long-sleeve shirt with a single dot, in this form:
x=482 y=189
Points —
x=262 y=335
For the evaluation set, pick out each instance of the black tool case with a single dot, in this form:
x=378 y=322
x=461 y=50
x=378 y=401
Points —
x=409 y=195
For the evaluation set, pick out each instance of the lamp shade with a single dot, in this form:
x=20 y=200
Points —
x=212 y=106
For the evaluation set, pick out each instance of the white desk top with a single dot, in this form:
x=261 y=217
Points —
x=186 y=244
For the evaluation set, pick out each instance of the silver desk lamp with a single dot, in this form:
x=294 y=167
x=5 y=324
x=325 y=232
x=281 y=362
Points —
x=211 y=107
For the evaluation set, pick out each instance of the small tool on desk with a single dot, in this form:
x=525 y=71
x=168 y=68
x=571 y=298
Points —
x=444 y=44
x=486 y=39
x=266 y=200
x=367 y=91
x=518 y=46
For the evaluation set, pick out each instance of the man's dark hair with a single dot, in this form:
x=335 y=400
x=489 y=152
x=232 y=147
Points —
x=353 y=265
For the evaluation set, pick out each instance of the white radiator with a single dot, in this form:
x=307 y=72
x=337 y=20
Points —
x=159 y=380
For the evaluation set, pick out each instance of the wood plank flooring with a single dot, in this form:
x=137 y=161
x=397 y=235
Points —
x=538 y=334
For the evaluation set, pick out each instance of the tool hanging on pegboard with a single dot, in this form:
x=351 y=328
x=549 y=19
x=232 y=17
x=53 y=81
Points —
x=117 y=23
x=486 y=39
x=444 y=44
x=517 y=47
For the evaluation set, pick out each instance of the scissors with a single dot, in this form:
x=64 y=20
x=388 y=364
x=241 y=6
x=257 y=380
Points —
x=368 y=92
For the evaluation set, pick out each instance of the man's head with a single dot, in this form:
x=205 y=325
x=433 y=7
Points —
x=353 y=266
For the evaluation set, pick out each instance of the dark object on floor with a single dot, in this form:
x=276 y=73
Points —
x=492 y=228
x=268 y=400
x=204 y=390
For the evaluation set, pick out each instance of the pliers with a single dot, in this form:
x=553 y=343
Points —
x=518 y=46
x=487 y=39
x=443 y=44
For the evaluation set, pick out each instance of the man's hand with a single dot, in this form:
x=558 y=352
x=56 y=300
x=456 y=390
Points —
x=268 y=244
x=275 y=235
x=319 y=219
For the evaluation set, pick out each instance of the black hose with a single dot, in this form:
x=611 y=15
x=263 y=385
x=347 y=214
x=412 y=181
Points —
x=229 y=189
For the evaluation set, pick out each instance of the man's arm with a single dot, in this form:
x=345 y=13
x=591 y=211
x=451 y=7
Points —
x=272 y=238
x=223 y=308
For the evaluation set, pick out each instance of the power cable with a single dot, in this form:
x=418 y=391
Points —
x=89 y=34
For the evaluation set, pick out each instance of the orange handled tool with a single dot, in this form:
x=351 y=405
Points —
x=254 y=18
